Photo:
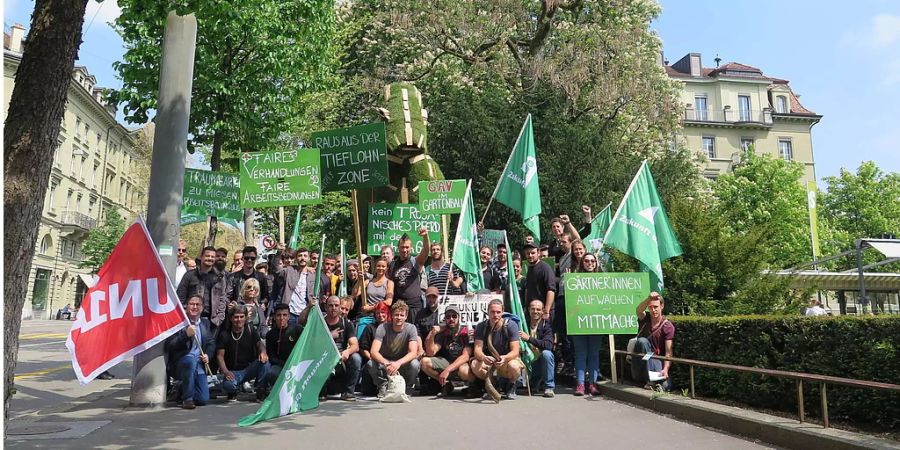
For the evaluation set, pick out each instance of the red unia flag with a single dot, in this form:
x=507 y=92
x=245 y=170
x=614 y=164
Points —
x=131 y=306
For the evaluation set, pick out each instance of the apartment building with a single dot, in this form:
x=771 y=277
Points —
x=94 y=170
x=733 y=106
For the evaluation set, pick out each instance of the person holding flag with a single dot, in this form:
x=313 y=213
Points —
x=518 y=186
x=641 y=229
x=188 y=350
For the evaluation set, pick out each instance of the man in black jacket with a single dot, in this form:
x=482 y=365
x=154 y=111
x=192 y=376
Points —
x=540 y=338
x=188 y=350
x=247 y=271
x=210 y=283
x=280 y=342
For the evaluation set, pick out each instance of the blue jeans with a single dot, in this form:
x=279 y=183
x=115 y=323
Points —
x=348 y=373
x=256 y=370
x=193 y=381
x=294 y=319
x=544 y=370
x=639 y=367
x=587 y=357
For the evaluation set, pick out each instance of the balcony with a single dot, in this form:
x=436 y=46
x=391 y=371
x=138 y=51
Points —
x=76 y=219
x=729 y=117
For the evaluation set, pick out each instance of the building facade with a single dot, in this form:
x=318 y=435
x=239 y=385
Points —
x=94 y=169
x=732 y=107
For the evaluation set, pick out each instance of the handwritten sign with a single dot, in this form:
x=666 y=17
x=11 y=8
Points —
x=442 y=196
x=208 y=193
x=389 y=221
x=473 y=308
x=492 y=238
x=352 y=158
x=280 y=178
x=604 y=303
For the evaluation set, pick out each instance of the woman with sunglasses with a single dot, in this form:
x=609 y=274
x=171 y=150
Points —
x=587 y=347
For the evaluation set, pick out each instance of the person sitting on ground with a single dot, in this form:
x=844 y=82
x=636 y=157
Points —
x=426 y=319
x=382 y=314
x=342 y=330
x=242 y=355
x=438 y=271
x=656 y=334
x=497 y=347
x=448 y=352
x=395 y=349
x=280 y=342
x=189 y=351
x=540 y=338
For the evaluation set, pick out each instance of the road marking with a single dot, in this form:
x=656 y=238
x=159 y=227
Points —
x=38 y=373
x=39 y=344
x=42 y=336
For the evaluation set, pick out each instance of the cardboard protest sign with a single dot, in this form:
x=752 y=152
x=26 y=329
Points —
x=352 y=158
x=604 y=303
x=492 y=238
x=473 y=308
x=210 y=193
x=280 y=178
x=389 y=221
x=442 y=196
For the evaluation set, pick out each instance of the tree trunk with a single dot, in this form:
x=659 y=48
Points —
x=249 y=232
x=215 y=162
x=30 y=138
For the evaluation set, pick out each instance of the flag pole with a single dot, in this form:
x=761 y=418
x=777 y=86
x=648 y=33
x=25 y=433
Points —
x=281 y=225
x=356 y=232
x=295 y=236
x=491 y=201
x=622 y=203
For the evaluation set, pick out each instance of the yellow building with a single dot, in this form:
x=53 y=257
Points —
x=93 y=170
x=733 y=106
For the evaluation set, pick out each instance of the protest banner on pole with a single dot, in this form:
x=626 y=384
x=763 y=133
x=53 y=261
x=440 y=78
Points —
x=389 y=221
x=280 y=178
x=603 y=303
x=441 y=196
x=473 y=308
x=208 y=193
x=352 y=158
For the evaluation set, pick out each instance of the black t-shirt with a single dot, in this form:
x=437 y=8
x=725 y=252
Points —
x=425 y=319
x=280 y=343
x=407 y=286
x=345 y=330
x=538 y=281
x=501 y=337
x=240 y=350
x=368 y=335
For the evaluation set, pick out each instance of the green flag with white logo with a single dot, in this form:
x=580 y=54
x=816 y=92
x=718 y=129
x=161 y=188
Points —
x=594 y=239
x=518 y=185
x=465 y=244
x=305 y=372
x=641 y=229
x=515 y=306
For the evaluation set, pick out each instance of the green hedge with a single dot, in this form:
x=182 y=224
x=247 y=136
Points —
x=863 y=348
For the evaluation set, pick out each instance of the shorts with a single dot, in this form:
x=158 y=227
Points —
x=438 y=363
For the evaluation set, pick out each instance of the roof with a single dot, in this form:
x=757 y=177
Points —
x=840 y=281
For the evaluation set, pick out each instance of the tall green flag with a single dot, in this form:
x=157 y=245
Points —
x=305 y=372
x=518 y=185
x=465 y=244
x=295 y=236
x=317 y=285
x=515 y=306
x=599 y=225
x=342 y=290
x=641 y=229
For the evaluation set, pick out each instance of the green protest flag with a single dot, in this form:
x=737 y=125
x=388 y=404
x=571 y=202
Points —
x=317 y=288
x=342 y=289
x=599 y=225
x=518 y=185
x=641 y=229
x=515 y=306
x=305 y=372
x=603 y=303
x=280 y=178
x=353 y=158
x=465 y=244
x=295 y=236
x=441 y=196
x=210 y=193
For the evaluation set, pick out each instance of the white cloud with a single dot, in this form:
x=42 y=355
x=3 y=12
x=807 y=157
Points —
x=882 y=30
x=101 y=13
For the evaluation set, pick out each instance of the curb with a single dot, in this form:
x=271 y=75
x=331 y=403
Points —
x=771 y=429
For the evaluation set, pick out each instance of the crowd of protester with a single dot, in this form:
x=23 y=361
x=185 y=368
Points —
x=247 y=314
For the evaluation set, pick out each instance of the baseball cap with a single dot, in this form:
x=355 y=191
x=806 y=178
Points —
x=529 y=245
x=432 y=291
x=451 y=309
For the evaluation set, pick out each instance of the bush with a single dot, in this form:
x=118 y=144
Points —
x=862 y=348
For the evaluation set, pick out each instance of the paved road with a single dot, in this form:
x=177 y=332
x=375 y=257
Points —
x=49 y=393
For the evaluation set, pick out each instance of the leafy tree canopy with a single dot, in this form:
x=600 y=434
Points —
x=101 y=241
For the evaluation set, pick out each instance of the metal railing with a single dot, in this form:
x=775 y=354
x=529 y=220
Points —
x=78 y=219
x=822 y=380
x=728 y=115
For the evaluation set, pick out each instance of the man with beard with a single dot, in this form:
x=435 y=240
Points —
x=346 y=373
x=497 y=349
x=280 y=341
x=248 y=258
x=405 y=271
x=293 y=282
x=208 y=282
x=242 y=356
x=395 y=349
x=447 y=352
x=540 y=281
x=221 y=258
x=540 y=337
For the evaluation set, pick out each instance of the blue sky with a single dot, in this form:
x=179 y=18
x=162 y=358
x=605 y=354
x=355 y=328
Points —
x=842 y=58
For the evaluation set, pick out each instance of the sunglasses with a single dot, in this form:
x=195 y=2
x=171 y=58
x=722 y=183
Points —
x=590 y=261
x=452 y=316
x=249 y=258
x=182 y=250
